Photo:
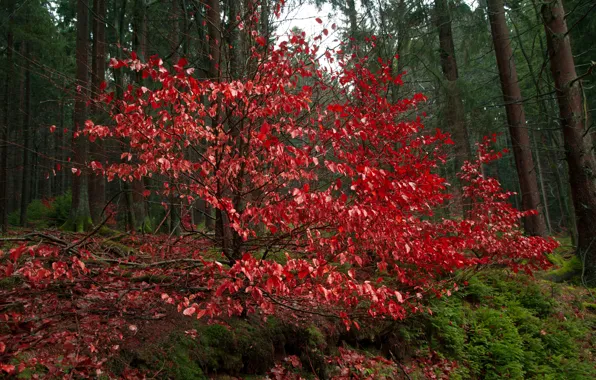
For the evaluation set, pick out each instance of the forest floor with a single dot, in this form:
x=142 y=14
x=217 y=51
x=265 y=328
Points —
x=498 y=325
x=501 y=325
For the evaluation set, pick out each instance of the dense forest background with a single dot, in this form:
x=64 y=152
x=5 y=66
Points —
x=38 y=70
x=520 y=70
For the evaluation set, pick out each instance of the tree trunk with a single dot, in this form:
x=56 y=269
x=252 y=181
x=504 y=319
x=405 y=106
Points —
x=139 y=27
x=80 y=215
x=122 y=26
x=175 y=213
x=264 y=30
x=5 y=132
x=97 y=185
x=540 y=173
x=516 y=119
x=403 y=38
x=352 y=18
x=578 y=145
x=26 y=179
x=455 y=115
x=214 y=32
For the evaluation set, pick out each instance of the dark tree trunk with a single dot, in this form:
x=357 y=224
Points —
x=352 y=17
x=5 y=133
x=62 y=144
x=139 y=27
x=264 y=21
x=516 y=120
x=97 y=184
x=578 y=144
x=80 y=215
x=26 y=127
x=122 y=25
x=175 y=214
x=403 y=37
x=455 y=116
x=214 y=32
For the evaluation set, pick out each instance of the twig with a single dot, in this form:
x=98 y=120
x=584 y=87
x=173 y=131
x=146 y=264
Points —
x=32 y=235
x=93 y=232
x=147 y=265
x=587 y=73
x=399 y=365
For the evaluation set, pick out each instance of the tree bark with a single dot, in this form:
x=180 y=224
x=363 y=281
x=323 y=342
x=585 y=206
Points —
x=139 y=27
x=80 y=215
x=578 y=144
x=214 y=33
x=5 y=132
x=352 y=18
x=26 y=127
x=97 y=185
x=516 y=120
x=454 y=106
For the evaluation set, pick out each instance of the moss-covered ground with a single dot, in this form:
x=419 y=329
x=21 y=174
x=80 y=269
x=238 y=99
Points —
x=499 y=325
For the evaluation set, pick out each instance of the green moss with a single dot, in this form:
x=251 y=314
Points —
x=146 y=226
x=315 y=337
x=589 y=306
x=566 y=269
x=182 y=365
x=81 y=223
x=509 y=326
x=10 y=282
x=217 y=351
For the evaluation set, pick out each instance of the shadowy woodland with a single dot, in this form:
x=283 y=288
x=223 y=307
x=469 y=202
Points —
x=359 y=189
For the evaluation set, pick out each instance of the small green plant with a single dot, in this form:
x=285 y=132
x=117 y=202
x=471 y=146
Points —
x=45 y=213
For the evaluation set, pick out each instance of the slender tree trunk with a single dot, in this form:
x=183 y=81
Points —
x=540 y=172
x=403 y=38
x=97 y=183
x=516 y=119
x=139 y=28
x=80 y=216
x=26 y=179
x=122 y=26
x=352 y=18
x=63 y=144
x=264 y=21
x=175 y=214
x=539 y=135
x=578 y=144
x=4 y=137
x=214 y=32
x=454 y=106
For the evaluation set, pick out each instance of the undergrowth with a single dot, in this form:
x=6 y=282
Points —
x=504 y=325
x=501 y=325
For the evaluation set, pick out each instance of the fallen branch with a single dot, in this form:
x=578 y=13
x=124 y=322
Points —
x=148 y=265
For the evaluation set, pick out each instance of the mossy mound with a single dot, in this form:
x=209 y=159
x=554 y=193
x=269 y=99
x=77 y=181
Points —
x=238 y=347
x=499 y=325
x=513 y=326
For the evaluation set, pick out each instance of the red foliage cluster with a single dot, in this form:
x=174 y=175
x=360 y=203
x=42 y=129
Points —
x=316 y=163
x=327 y=194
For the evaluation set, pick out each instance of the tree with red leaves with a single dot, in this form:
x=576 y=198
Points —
x=330 y=199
